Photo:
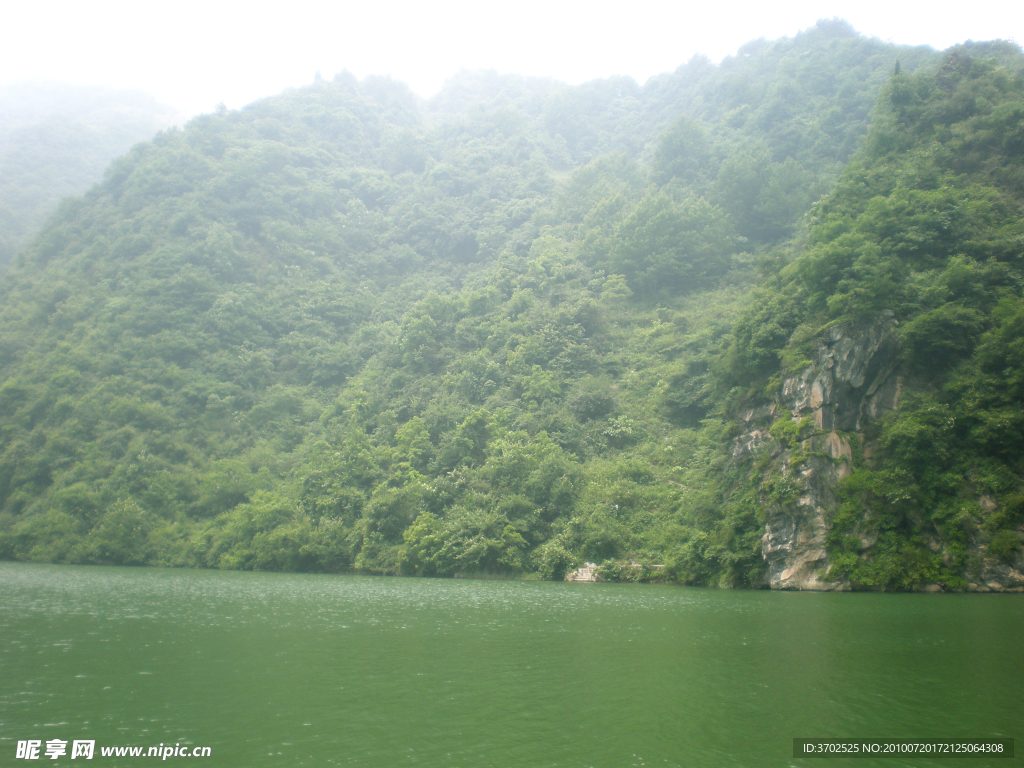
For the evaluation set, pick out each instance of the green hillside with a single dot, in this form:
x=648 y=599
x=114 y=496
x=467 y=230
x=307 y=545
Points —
x=925 y=223
x=508 y=330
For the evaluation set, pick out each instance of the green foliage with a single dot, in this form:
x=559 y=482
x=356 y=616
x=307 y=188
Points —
x=926 y=222
x=498 y=333
x=761 y=333
x=665 y=245
x=629 y=571
x=790 y=432
x=683 y=152
x=765 y=198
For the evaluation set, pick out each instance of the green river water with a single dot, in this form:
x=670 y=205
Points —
x=305 y=670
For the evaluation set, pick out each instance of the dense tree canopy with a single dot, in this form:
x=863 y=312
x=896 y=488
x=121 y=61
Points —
x=925 y=222
x=501 y=331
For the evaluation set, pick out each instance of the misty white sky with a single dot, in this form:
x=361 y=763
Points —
x=193 y=55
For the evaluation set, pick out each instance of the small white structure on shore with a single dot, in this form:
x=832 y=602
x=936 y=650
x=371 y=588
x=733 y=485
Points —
x=587 y=573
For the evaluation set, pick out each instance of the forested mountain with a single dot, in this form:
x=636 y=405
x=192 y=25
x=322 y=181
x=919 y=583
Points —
x=55 y=141
x=515 y=327
x=924 y=236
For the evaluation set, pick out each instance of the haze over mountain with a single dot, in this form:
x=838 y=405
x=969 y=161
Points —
x=55 y=141
x=754 y=323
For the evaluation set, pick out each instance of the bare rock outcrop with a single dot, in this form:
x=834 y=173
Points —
x=585 y=573
x=793 y=544
x=853 y=379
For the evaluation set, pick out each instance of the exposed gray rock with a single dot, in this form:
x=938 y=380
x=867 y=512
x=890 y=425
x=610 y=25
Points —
x=851 y=381
x=749 y=444
x=995 y=572
x=757 y=414
x=854 y=379
x=793 y=544
x=586 y=573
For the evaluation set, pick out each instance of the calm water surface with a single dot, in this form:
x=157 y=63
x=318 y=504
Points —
x=299 y=670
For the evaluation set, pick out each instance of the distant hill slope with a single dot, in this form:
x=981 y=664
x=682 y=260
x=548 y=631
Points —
x=505 y=331
x=55 y=141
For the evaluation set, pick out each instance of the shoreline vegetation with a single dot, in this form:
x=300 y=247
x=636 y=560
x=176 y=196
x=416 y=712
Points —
x=521 y=326
x=608 y=573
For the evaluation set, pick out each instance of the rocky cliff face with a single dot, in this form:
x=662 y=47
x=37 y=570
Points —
x=854 y=378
